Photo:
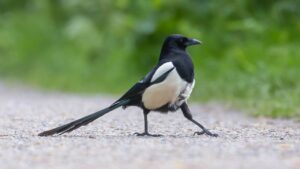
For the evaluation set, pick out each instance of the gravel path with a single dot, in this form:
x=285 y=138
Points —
x=244 y=142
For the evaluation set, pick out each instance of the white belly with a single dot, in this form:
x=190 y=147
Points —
x=165 y=92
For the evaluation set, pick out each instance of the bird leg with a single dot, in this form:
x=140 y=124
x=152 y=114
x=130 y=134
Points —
x=186 y=112
x=146 y=133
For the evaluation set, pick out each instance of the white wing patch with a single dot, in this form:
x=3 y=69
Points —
x=161 y=70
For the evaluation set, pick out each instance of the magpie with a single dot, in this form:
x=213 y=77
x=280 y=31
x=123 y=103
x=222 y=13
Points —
x=165 y=88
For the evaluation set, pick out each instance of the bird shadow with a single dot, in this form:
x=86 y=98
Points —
x=4 y=136
x=131 y=136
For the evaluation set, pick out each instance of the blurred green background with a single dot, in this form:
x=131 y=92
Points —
x=250 y=58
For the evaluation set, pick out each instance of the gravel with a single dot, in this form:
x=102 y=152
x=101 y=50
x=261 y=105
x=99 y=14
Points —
x=243 y=142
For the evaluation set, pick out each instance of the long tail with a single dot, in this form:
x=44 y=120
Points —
x=83 y=121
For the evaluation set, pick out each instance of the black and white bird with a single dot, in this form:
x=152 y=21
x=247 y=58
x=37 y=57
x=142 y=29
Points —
x=166 y=87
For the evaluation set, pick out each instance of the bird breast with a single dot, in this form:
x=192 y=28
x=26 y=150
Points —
x=167 y=92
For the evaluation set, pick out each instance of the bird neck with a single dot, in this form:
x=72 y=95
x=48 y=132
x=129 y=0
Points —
x=166 y=50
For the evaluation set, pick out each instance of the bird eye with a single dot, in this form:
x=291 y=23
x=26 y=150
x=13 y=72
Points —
x=183 y=40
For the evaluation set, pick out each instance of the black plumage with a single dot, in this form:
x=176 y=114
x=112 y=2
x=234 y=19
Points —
x=165 y=88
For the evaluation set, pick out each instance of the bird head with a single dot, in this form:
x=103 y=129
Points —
x=179 y=41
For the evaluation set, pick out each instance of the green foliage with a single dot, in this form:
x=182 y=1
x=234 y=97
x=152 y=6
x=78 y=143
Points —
x=250 y=57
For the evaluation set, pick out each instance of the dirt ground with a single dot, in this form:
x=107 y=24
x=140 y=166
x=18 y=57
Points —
x=244 y=142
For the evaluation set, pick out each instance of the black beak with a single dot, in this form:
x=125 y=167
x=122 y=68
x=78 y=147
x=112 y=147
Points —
x=191 y=42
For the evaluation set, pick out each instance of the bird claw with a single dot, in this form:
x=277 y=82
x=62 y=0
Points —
x=206 y=132
x=147 y=134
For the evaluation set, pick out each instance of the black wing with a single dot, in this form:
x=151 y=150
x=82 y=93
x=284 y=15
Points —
x=138 y=89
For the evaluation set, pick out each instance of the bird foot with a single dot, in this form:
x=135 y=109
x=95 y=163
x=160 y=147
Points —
x=147 y=134
x=206 y=132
